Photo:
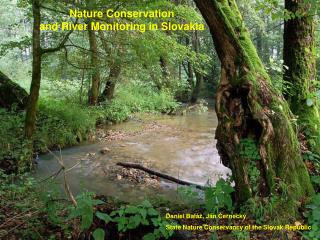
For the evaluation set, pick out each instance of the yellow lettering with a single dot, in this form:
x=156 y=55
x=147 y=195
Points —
x=49 y=27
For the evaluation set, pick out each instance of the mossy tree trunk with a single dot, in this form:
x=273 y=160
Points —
x=299 y=57
x=248 y=107
x=11 y=93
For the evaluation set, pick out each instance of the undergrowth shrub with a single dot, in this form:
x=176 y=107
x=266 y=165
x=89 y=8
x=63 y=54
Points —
x=58 y=124
x=13 y=147
x=62 y=124
x=134 y=98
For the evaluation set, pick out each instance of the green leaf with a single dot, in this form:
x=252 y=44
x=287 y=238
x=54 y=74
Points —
x=122 y=224
x=86 y=222
x=143 y=212
x=134 y=221
x=98 y=234
x=214 y=236
x=146 y=204
x=113 y=213
x=152 y=212
x=155 y=221
x=316 y=179
x=145 y=222
x=103 y=216
x=87 y=217
x=149 y=236
x=131 y=210
x=164 y=231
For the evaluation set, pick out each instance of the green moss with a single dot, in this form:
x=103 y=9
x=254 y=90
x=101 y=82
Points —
x=232 y=17
x=283 y=158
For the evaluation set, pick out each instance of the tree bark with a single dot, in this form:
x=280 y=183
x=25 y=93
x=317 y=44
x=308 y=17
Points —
x=266 y=45
x=248 y=107
x=37 y=52
x=115 y=70
x=95 y=77
x=159 y=174
x=108 y=92
x=11 y=94
x=190 y=67
x=299 y=57
x=164 y=80
x=259 y=42
x=30 y=121
x=199 y=77
x=164 y=68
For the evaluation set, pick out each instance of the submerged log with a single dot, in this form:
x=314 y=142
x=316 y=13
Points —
x=11 y=93
x=158 y=174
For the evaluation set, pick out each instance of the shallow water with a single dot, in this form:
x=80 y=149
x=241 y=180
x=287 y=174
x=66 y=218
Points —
x=181 y=146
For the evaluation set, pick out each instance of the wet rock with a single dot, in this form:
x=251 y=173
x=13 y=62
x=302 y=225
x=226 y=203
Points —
x=104 y=150
x=151 y=181
x=119 y=177
x=92 y=154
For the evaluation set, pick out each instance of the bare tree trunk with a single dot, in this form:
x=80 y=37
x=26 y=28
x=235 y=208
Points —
x=81 y=84
x=190 y=67
x=30 y=120
x=164 y=68
x=163 y=82
x=250 y=111
x=95 y=77
x=37 y=52
x=260 y=43
x=115 y=70
x=108 y=91
x=199 y=77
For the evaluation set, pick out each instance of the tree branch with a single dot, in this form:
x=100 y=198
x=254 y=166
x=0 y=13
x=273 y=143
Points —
x=162 y=175
x=60 y=46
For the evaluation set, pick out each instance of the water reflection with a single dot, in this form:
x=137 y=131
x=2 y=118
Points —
x=182 y=146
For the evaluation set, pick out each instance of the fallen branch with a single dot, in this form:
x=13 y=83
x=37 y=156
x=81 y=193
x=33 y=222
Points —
x=28 y=215
x=52 y=176
x=18 y=216
x=56 y=174
x=162 y=175
x=64 y=170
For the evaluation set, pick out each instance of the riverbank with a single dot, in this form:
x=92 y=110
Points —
x=46 y=215
x=182 y=146
x=166 y=138
x=45 y=195
x=61 y=123
x=169 y=144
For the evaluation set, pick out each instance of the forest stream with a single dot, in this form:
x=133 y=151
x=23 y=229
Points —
x=181 y=146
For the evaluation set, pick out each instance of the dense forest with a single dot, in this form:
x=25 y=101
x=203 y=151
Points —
x=200 y=129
